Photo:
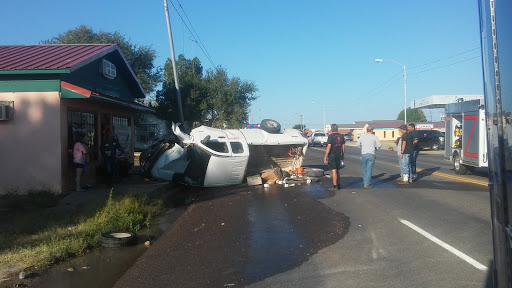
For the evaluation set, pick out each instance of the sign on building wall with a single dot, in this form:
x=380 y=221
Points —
x=424 y=126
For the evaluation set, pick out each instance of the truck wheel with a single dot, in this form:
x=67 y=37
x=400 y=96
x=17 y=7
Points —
x=435 y=146
x=270 y=126
x=457 y=166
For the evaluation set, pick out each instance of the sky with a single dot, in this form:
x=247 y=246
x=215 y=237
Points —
x=310 y=60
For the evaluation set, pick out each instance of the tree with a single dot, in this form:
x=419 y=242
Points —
x=192 y=90
x=299 y=127
x=413 y=115
x=140 y=58
x=214 y=99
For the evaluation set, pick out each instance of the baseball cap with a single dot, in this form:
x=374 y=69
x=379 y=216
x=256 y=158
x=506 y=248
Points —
x=403 y=126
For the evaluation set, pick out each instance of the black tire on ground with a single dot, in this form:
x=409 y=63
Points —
x=115 y=239
x=314 y=172
x=459 y=168
x=435 y=146
x=270 y=126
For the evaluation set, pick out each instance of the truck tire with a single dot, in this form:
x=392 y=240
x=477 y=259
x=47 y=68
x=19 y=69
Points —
x=314 y=172
x=459 y=168
x=115 y=239
x=270 y=126
x=435 y=146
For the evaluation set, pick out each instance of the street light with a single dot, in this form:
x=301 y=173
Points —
x=405 y=86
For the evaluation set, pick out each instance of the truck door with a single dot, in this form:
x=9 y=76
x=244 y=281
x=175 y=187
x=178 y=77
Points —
x=228 y=166
x=470 y=138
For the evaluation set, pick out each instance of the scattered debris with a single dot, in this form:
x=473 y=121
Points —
x=254 y=180
x=70 y=269
x=200 y=227
x=85 y=267
x=229 y=285
x=147 y=243
x=22 y=275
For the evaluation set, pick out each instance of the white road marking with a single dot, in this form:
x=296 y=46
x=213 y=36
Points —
x=453 y=250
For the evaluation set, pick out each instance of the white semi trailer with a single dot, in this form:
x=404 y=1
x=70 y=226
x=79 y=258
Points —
x=466 y=135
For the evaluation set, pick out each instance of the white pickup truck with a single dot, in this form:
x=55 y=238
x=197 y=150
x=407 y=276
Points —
x=318 y=138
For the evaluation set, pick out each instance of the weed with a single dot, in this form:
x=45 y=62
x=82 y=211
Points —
x=55 y=241
x=4 y=274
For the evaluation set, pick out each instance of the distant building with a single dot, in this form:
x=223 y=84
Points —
x=388 y=129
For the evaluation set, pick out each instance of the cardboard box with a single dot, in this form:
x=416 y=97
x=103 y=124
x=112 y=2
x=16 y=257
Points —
x=272 y=175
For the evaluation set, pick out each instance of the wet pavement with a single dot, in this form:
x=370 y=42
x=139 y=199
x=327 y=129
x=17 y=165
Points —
x=235 y=236
x=240 y=238
x=104 y=266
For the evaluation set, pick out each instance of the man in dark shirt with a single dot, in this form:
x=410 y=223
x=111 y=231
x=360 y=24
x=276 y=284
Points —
x=405 y=154
x=415 y=151
x=334 y=154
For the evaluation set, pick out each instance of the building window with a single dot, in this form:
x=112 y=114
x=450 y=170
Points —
x=393 y=134
x=122 y=131
x=384 y=134
x=147 y=132
x=82 y=123
x=120 y=121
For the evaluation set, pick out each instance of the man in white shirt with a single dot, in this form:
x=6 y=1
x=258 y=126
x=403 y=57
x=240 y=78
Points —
x=368 y=143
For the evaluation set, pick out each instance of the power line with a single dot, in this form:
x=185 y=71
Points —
x=182 y=20
x=382 y=84
x=442 y=59
x=196 y=34
x=445 y=65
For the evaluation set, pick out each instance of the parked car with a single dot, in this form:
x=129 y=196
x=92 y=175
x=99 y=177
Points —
x=318 y=138
x=430 y=139
x=348 y=137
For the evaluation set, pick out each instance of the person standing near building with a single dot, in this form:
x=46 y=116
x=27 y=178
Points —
x=79 y=152
x=415 y=149
x=109 y=149
x=405 y=155
x=368 y=143
x=334 y=155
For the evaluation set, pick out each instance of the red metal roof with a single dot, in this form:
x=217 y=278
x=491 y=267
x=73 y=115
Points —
x=51 y=56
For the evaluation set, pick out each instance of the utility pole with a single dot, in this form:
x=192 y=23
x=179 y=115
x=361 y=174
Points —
x=301 y=123
x=324 y=120
x=176 y=82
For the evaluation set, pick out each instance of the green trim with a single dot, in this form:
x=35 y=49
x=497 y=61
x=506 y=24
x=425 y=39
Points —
x=65 y=93
x=29 y=85
x=37 y=71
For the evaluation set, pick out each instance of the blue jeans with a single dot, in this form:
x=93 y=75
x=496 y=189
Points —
x=414 y=156
x=368 y=162
x=400 y=163
x=405 y=168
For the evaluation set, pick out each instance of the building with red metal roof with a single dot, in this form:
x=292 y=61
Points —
x=51 y=94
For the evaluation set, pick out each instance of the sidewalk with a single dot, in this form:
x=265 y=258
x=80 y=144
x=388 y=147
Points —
x=99 y=193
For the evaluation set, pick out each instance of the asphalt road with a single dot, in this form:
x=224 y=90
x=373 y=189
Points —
x=432 y=233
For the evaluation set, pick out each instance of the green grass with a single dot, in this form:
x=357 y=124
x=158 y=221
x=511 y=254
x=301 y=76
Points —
x=51 y=240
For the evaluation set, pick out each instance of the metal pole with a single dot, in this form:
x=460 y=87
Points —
x=324 y=120
x=405 y=96
x=176 y=82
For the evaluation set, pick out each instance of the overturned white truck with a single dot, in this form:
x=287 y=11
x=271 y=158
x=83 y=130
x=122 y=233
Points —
x=212 y=157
